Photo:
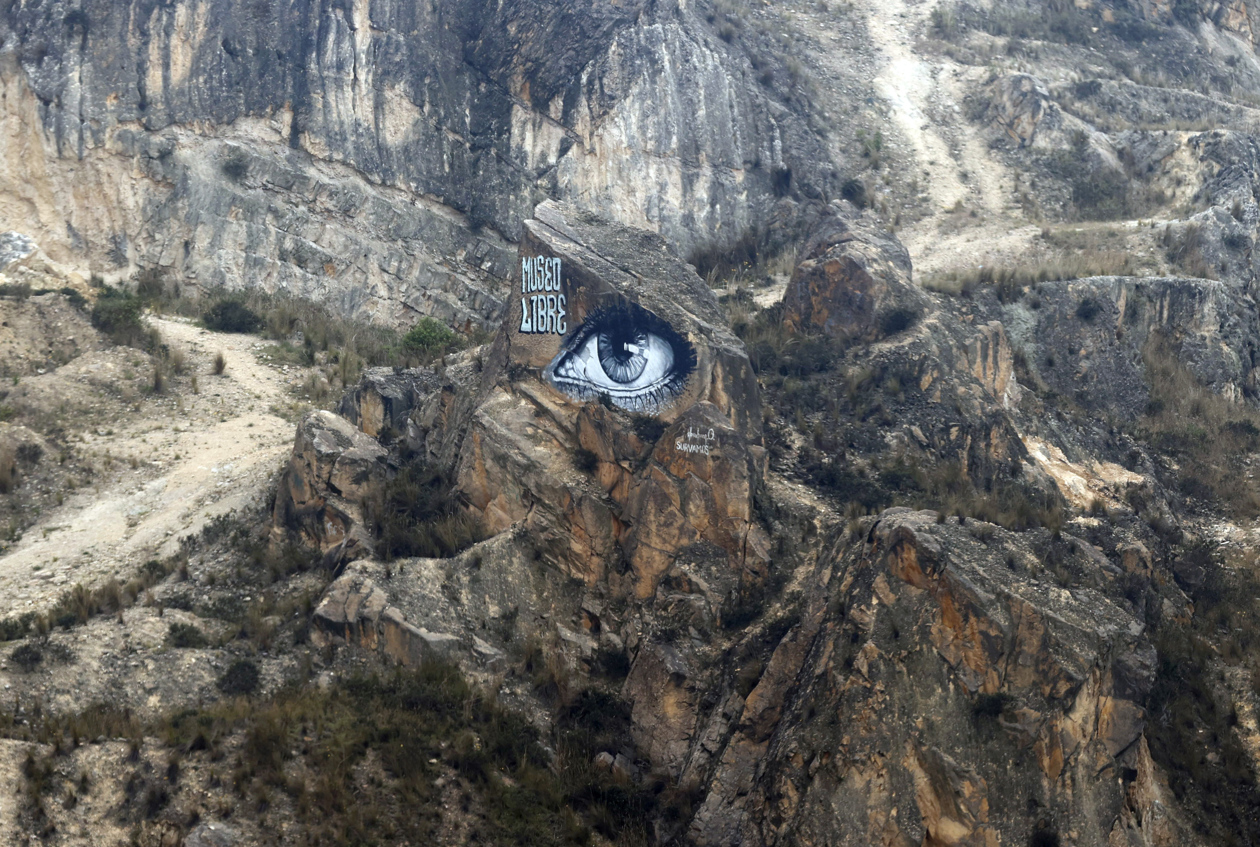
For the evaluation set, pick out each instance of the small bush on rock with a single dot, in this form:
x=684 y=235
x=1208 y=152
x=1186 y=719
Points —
x=429 y=337
x=27 y=657
x=648 y=428
x=241 y=677
x=117 y=314
x=184 y=635
x=585 y=460
x=415 y=515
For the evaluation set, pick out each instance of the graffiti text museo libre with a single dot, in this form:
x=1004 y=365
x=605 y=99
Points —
x=542 y=313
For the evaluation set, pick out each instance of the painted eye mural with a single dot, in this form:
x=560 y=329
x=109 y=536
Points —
x=628 y=353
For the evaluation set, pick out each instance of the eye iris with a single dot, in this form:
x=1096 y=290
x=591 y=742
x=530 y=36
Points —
x=621 y=355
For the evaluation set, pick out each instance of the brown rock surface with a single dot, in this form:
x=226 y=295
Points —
x=693 y=484
x=929 y=695
x=852 y=278
x=333 y=467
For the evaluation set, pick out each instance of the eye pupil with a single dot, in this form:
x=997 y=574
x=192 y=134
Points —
x=621 y=354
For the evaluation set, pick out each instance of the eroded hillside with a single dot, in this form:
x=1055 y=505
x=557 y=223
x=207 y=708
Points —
x=916 y=504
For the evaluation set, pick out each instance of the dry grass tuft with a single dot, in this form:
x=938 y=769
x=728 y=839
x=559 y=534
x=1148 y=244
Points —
x=1206 y=433
x=1010 y=281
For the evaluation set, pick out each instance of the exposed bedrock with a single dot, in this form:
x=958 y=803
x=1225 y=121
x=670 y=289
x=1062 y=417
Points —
x=932 y=692
x=377 y=157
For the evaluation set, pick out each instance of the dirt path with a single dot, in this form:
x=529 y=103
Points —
x=183 y=460
x=925 y=95
x=919 y=100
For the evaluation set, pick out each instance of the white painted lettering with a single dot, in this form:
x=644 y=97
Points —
x=542 y=313
x=526 y=326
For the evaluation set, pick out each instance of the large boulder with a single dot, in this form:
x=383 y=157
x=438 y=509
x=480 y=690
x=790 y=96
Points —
x=629 y=421
x=854 y=283
x=621 y=284
x=384 y=397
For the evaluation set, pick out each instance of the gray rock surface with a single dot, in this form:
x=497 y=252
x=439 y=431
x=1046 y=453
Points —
x=211 y=834
x=376 y=156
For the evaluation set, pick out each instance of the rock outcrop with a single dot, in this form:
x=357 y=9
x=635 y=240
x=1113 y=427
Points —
x=934 y=691
x=853 y=283
x=910 y=678
x=597 y=488
x=1086 y=339
x=682 y=472
x=319 y=502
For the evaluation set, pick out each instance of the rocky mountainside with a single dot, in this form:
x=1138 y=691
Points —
x=378 y=157
x=838 y=426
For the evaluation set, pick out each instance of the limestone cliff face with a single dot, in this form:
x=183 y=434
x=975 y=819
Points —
x=378 y=157
x=1086 y=338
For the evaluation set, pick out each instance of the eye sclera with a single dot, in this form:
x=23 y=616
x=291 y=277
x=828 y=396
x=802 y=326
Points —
x=614 y=337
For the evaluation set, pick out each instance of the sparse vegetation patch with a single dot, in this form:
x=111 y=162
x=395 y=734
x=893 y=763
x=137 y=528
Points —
x=415 y=514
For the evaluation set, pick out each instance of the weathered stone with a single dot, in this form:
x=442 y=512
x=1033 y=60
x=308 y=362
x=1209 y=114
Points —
x=384 y=397
x=355 y=610
x=395 y=189
x=1086 y=338
x=664 y=701
x=334 y=466
x=651 y=500
x=853 y=283
x=932 y=622
x=211 y=834
x=606 y=265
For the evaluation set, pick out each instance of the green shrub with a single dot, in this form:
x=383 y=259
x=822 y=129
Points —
x=16 y=290
x=12 y=629
x=1044 y=836
x=235 y=165
x=151 y=285
x=991 y=706
x=415 y=514
x=585 y=460
x=649 y=428
x=429 y=337
x=897 y=320
x=27 y=657
x=232 y=316
x=241 y=677
x=1088 y=309
x=182 y=635
x=117 y=314
x=854 y=190
x=76 y=299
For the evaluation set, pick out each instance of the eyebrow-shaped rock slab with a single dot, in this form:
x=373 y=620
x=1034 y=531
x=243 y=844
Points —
x=605 y=263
